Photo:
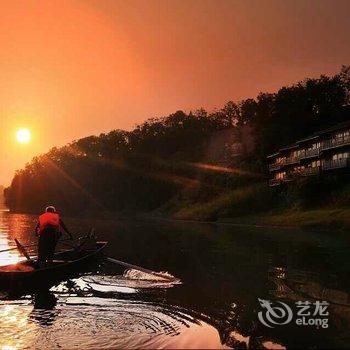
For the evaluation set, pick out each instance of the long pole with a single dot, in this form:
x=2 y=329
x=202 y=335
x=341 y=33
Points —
x=20 y=247
x=142 y=269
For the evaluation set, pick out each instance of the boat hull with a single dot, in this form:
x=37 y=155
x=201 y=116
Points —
x=66 y=265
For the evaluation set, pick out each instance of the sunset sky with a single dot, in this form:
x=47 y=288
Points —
x=74 y=68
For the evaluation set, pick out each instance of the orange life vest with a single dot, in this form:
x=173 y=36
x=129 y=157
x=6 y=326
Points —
x=49 y=219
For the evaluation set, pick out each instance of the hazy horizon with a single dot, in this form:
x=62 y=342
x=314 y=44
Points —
x=73 y=68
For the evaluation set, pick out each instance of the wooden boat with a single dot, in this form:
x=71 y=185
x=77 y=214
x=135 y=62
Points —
x=66 y=263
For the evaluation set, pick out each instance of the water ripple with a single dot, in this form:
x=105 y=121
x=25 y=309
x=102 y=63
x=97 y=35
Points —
x=101 y=323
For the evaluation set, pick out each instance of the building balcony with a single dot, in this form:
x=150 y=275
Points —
x=309 y=171
x=277 y=182
x=292 y=160
x=286 y=161
x=310 y=153
x=274 y=166
x=274 y=182
x=333 y=143
x=336 y=164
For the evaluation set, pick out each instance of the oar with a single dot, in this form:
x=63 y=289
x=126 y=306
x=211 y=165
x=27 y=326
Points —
x=22 y=250
x=16 y=248
x=142 y=269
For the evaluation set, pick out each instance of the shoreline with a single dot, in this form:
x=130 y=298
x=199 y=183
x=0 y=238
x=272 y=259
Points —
x=316 y=219
x=325 y=219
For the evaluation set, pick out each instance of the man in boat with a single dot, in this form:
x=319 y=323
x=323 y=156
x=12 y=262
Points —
x=48 y=230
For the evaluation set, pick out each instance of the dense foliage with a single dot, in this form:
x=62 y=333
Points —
x=163 y=158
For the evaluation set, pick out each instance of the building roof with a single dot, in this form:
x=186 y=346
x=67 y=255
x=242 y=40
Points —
x=287 y=148
x=336 y=127
x=314 y=136
x=307 y=139
x=273 y=155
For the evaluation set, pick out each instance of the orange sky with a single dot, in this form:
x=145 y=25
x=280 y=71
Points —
x=73 y=68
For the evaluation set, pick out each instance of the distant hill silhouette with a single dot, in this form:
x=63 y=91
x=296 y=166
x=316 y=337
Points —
x=2 y=198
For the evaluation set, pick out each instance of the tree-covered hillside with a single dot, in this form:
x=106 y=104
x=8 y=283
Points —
x=166 y=159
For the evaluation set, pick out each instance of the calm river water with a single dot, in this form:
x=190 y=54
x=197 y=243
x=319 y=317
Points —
x=224 y=271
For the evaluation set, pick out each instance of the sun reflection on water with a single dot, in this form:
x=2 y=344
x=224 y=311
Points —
x=16 y=332
x=8 y=347
x=8 y=257
x=9 y=229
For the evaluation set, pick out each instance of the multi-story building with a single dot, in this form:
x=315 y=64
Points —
x=324 y=152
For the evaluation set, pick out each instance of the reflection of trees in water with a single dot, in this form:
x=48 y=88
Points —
x=310 y=272
x=294 y=284
x=229 y=298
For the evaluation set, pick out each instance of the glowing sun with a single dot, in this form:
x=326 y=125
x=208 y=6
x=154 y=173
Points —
x=23 y=135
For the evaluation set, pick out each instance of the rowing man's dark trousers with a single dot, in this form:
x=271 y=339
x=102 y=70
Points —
x=47 y=243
